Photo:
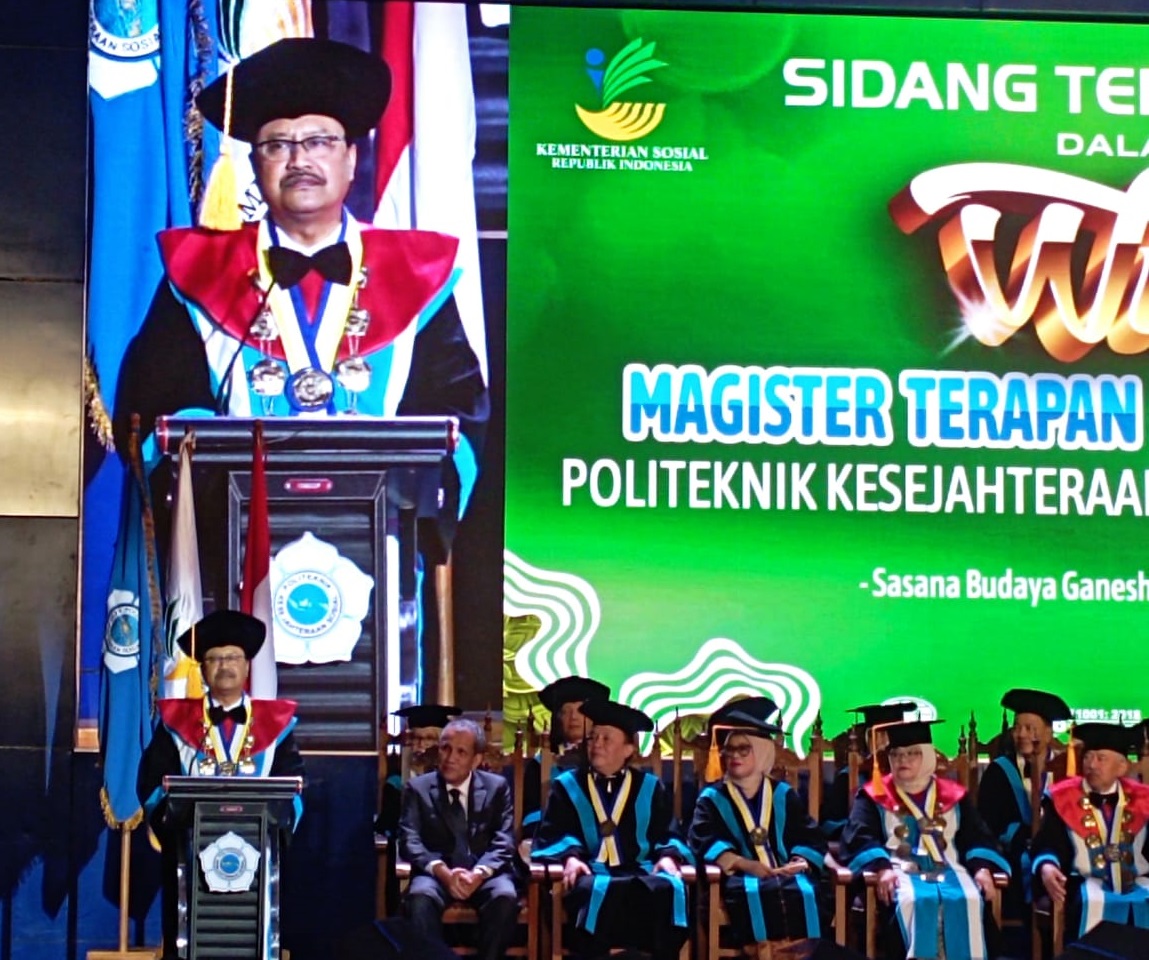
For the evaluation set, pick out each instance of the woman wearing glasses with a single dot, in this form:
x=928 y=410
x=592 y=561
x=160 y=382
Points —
x=757 y=832
x=933 y=854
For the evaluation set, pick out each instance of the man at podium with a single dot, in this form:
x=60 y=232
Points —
x=306 y=312
x=223 y=734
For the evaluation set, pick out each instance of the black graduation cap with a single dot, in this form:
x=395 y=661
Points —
x=223 y=628
x=609 y=713
x=758 y=708
x=298 y=76
x=1048 y=706
x=738 y=722
x=1113 y=941
x=572 y=689
x=910 y=733
x=873 y=713
x=428 y=714
x=1108 y=736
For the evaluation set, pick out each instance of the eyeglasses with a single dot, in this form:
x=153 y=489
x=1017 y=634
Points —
x=230 y=658
x=739 y=750
x=905 y=753
x=317 y=146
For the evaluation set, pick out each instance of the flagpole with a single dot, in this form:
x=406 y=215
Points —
x=445 y=606
x=124 y=952
x=126 y=825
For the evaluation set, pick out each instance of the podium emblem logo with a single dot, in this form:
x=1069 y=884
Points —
x=229 y=864
x=319 y=600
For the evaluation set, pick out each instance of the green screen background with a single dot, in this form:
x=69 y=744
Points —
x=779 y=249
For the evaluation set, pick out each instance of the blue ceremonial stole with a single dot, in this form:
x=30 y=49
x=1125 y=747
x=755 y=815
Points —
x=750 y=884
x=1098 y=904
x=1021 y=797
x=592 y=838
x=953 y=892
x=917 y=914
x=1017 y=785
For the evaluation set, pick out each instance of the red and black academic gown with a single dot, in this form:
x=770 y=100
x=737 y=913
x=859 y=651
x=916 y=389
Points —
x=927 y=888
x=1076 y=838
x=201 y=320
x=775 y=908
x=175 y=751
x=622 y=903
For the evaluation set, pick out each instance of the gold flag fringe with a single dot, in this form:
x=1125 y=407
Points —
x=110 y=819
x=98 y=420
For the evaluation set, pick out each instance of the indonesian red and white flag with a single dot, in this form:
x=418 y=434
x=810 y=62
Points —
x=255 y=593
x=425 y=143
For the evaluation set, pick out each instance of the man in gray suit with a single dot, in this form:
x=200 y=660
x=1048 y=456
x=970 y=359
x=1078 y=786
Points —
x=456 y=828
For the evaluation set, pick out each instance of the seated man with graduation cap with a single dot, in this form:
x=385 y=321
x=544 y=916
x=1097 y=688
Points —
x=933 y=854
x=1092 y=851
x=563 y=698
x=1004 y=794
x=759 y=834
x=836 y=805
x=612 y=829
x=223 y=734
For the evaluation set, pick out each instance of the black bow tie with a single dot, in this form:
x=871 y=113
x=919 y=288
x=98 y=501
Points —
x=289 y=266
x=218 y=714
x=1102 y=799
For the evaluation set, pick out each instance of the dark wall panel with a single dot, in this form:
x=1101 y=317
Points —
x=43 y=165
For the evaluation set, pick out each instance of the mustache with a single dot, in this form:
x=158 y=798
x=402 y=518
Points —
x=301 y=176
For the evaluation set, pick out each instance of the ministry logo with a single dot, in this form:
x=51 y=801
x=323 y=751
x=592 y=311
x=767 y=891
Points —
x=622 y=121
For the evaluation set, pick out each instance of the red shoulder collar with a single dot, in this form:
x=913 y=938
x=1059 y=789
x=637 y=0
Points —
x=950 y=793
x=269 y=718
x=1067 y=795
x=214 y=270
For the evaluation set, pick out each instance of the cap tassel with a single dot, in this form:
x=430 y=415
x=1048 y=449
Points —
x=220 y=207
x=713 y=762
x=879 y=788
x=1071 y=756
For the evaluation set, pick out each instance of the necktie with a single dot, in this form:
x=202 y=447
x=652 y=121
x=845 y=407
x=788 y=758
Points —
x=461 y=855
x=217 y=714
x=288 y=266
x=1103 y=801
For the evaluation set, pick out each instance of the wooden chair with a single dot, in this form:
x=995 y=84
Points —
x=460 y=914
x=559 y=918
x=795 y=771
x=651 y=762
x=1047 y=916
x=959 y=768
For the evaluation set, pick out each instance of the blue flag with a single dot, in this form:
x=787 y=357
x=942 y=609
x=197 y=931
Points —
x=126 y=690
x=140 y=159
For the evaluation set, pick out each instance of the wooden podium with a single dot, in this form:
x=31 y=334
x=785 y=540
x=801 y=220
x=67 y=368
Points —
x=371 y=488
x=230 y=832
